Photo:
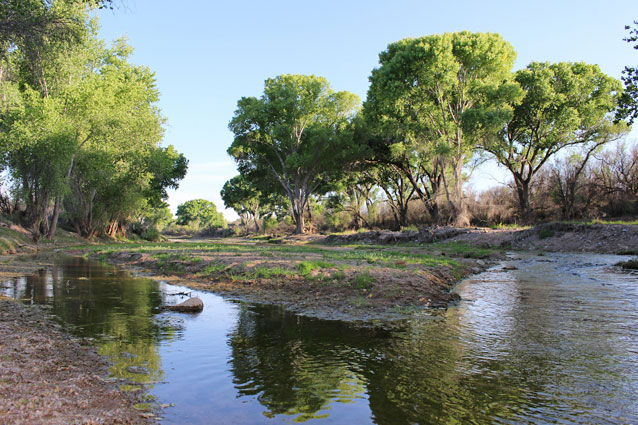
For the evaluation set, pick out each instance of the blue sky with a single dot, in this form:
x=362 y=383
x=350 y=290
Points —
x=208 y=54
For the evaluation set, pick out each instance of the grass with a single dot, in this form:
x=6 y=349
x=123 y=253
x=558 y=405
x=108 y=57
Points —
x=213 y=269
x=512 y=226
x=630 y=264
x=598 y=221
x=464 y=250
x=363 y=280
x=11 y=240
x=260 y=272
x=327 y=266
x=306 y=267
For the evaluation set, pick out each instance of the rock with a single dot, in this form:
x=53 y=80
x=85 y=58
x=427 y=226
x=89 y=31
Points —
x=192 y=305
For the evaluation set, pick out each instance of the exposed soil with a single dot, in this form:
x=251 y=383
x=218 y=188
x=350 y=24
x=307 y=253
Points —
x=551 y=237
x=48 y=378
x=344 y=283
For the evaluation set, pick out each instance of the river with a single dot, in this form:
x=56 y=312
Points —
x=535 y=339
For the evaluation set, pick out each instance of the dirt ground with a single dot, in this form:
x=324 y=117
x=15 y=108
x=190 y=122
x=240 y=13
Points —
x=559 y=237
x=48 y=378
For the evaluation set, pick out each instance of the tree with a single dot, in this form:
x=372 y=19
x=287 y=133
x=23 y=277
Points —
x=564 y=104
x=418 y=100
x=200 y=212
x=78 y=119
x=299 y=132
x=628 y=100
x=167 y=167
x=568 y=180
x=241 y=195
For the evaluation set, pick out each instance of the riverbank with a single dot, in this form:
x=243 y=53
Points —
x=46 y=377
x=353 y=282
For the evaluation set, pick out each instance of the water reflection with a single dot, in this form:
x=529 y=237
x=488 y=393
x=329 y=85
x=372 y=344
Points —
x=297 y=366
x=550 y=340
x=102 y=302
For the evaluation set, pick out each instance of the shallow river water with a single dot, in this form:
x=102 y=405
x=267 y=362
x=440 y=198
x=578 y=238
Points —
x=536 y=339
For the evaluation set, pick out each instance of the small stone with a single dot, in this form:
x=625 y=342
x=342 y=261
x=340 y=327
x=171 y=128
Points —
x=190 y=305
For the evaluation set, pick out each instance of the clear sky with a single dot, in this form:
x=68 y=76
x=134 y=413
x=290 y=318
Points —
x=208 y=54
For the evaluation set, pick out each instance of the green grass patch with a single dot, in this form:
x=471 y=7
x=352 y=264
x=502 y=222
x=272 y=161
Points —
x=464 y=250
x=363 y=280
x=513 y=226
x=259 y=272
x=306 y=267
x=213 y=269
x=629 y=265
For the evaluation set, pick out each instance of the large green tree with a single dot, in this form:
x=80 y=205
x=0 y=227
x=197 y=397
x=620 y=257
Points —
x=201 y=212
x=299 y=131
x=418 y=100
x=80 y=132
x=564 y=104
x=240 y=194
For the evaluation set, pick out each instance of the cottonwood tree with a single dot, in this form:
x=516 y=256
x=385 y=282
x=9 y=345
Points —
x=80 y=129
x=200 y=212
x=299 y=132
x=240 y=194
x=564 y=104
x=418 y=99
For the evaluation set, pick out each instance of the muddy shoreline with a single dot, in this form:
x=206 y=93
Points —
x=47 y=377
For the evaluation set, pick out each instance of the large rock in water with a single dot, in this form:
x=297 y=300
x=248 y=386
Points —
x=191 y=305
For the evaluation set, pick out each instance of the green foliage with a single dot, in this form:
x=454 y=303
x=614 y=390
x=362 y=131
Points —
x=213 y=269
x=563 y=104
x=298 y=133
x=363 y=280
x=306 y=267
x=201 y=212
x=630 y=264
x=167 y=167
x=79 y=125
x=418 y=103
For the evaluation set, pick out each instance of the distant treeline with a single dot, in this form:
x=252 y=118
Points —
x=437 y=106
x=80 y=129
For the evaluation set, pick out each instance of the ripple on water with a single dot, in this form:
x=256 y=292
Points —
x=550 y=339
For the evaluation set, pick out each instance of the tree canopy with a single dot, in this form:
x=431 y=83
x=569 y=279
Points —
x=628 y=101
x=299 y=132
x=564 y=104
x=80 y=130
x=418 y=100
x=200 y=212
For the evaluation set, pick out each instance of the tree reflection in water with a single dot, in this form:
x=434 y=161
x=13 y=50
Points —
x=102 y=302
x=305 y=368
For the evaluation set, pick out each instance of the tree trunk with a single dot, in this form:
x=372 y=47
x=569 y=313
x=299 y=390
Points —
x=256 y=219
x=56 y=215
x=299 y=221
x=522 y=190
